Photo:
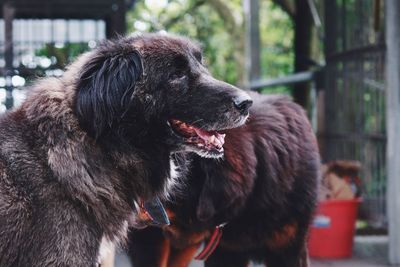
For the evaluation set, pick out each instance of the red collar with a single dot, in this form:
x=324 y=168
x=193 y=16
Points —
x=211 y=244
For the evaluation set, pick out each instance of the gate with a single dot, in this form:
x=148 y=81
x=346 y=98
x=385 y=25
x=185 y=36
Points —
x=355 y=96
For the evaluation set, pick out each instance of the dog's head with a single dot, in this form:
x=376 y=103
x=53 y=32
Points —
x=156 y=88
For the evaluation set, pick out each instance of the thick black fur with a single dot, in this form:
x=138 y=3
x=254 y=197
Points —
x=265 y=189
x=106 y=88
x=83 y=148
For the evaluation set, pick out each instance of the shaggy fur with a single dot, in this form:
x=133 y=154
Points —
x=83 y=148
x=264 y=189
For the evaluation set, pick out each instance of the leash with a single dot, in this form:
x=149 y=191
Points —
x=212 y=243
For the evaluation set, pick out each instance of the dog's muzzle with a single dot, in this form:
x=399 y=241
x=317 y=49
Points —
x=242 y=103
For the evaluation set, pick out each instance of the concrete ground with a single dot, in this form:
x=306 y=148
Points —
x=369 y=251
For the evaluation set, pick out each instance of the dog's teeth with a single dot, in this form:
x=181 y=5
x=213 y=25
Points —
x=212 y=139
x=221 y=138
x=219 y=143
x=215 y=140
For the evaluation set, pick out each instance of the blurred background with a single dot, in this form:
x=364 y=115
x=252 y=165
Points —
x=329 y=55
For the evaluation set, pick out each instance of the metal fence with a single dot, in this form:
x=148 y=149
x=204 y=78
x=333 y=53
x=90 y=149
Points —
x=42 y=47
x=350 y=110
x=355 y=96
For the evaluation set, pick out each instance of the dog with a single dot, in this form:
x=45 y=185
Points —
x=257 y=201
x=84 y=149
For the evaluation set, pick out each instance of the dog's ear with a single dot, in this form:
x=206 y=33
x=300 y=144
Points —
x=206 y=208
x=105 y=89
x=224 y=191
x=220 y=198
x=210 y=196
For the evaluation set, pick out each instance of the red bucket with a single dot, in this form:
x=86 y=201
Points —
x=332 y=231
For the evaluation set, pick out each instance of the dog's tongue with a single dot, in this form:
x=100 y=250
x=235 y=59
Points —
x=213 y=137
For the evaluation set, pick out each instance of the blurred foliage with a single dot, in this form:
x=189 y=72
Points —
x=276 y=29
x=218 y=25
x=221 y=31
x=62 y=54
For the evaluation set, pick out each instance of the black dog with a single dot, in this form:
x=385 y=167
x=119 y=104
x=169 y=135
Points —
x=264 y=190
x=82 y=149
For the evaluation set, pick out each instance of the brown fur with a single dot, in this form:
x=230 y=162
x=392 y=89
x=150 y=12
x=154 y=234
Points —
x=265 y=189
x=283 y=237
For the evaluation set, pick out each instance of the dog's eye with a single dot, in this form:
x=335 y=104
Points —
x=181 y=62
x=198 y=56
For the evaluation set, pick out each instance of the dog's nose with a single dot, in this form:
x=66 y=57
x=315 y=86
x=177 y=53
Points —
x=242 y=102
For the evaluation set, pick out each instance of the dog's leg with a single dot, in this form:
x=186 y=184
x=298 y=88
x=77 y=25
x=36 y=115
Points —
x=291 y=257
x=164 y=254
x=304 y=259
x=107 y=255
x=224 y=258
x=148 y=247
x=182 y=257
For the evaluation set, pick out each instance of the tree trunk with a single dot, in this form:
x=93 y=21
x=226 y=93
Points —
x=303 y=38
x=235 y=29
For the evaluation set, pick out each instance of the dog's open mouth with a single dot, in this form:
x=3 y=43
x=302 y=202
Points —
x=211 y=141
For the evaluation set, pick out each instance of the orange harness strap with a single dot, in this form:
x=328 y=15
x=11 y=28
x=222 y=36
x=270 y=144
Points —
x=212 y=243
